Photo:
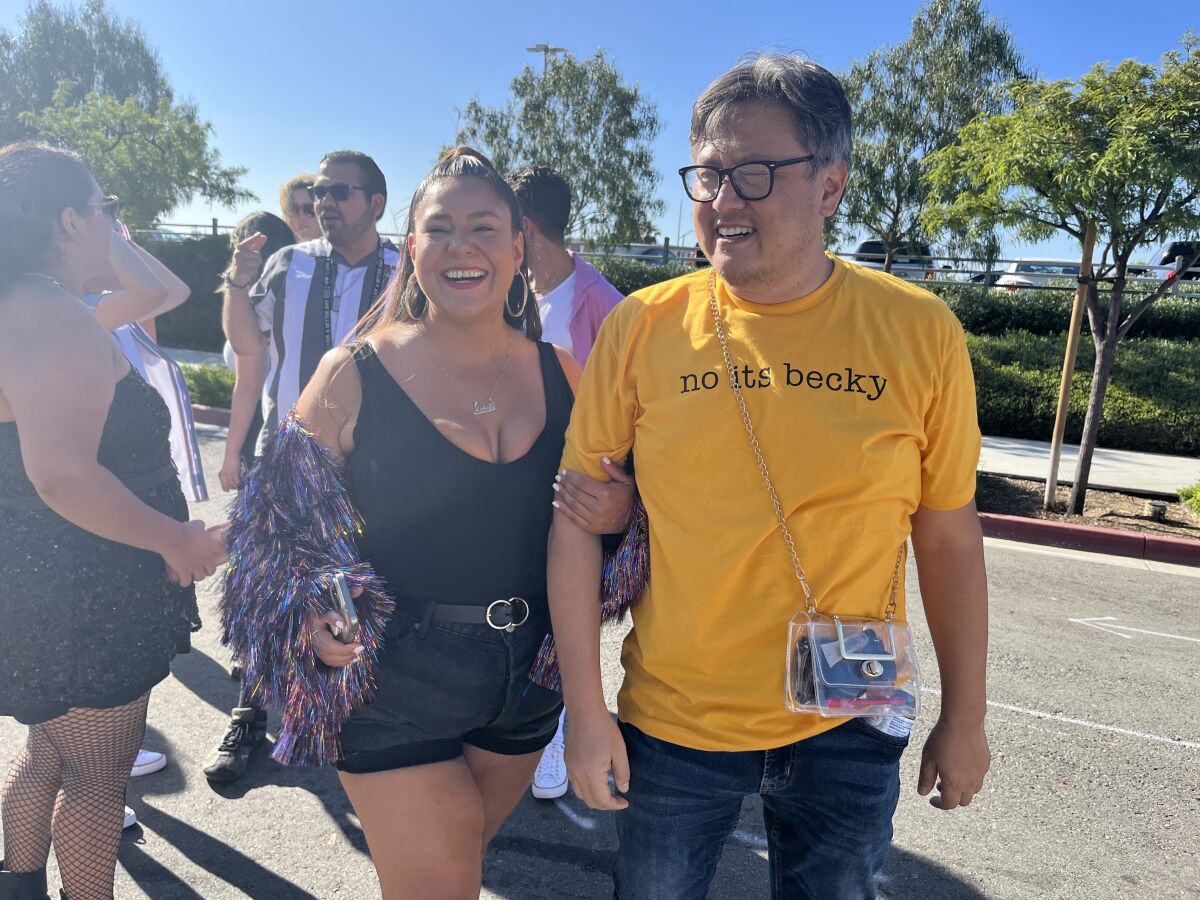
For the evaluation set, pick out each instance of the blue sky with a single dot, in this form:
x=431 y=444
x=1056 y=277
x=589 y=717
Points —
x=283 y=82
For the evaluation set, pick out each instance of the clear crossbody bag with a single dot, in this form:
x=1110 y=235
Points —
x=836 y=666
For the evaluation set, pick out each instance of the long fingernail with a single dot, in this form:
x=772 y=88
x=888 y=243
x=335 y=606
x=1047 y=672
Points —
x=606 y=459
x=358 y=651
x=554 y=503
x=558 y=478
x=339 y=624
x=556 y=487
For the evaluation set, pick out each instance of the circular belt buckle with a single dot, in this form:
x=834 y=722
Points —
x=502 y=619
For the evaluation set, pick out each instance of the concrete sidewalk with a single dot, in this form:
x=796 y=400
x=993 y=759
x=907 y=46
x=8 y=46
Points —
x=1120 y=470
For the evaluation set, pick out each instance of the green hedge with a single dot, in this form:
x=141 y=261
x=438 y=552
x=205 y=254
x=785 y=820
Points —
x=1191 y=497
x=209 y=385
x=1153 y=401
x=1049 y=312
x=196 y=325
x=629 y=275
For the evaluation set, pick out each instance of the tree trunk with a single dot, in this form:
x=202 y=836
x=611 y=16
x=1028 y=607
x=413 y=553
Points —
x=1101 y=372
x=887 y=260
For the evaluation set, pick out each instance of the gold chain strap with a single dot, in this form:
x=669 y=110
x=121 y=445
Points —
x=801 y=576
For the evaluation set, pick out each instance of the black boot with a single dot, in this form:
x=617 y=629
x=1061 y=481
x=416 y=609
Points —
x=24 y=885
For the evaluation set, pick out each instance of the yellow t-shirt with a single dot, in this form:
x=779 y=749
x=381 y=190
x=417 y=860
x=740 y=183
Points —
x=862 y=398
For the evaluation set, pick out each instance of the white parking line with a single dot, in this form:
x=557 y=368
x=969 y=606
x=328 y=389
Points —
x=1053 y=717
x=1108 y=625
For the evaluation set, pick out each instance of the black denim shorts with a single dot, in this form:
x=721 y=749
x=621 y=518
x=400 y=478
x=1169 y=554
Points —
x=442 y=685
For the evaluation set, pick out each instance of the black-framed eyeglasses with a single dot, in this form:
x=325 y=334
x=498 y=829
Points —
x=307 y=209
x=339 y=192
x=107 y=205
x=752 y=180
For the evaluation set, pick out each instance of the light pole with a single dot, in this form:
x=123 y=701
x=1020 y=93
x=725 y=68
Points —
x=547 y=51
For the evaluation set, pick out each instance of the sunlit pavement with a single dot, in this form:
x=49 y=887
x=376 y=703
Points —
x=1094 y=791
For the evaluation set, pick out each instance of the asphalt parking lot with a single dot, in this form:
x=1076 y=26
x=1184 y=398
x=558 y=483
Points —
x=1094 y=791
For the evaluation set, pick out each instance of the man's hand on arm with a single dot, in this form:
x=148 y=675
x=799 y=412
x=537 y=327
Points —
x=594 y=743
x=949 y=552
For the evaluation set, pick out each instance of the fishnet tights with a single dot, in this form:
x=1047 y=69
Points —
x=69 y=782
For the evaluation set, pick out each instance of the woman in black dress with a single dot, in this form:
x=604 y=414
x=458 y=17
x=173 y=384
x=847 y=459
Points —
x=97 y=555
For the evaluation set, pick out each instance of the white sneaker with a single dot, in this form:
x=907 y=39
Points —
x=148 y=761
x=550 y=779
x=130 y=818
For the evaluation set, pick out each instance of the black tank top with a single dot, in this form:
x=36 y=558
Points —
x=441 y=524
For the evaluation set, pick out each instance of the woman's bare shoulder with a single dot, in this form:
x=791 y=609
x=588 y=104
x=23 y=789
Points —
x=570 y=366
x=38 y=315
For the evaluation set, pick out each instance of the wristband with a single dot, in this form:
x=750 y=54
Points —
x=225 y=279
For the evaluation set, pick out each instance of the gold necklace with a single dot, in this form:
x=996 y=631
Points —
x=480 y=407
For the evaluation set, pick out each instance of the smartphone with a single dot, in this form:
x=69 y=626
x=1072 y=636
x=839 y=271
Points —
x=803 y=689
x=345 y=605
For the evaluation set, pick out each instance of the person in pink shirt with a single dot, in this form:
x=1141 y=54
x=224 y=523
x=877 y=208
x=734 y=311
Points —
x=573 y=298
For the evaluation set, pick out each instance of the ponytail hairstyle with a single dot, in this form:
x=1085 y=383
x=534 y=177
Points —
x=404 y=301
x=37 y=182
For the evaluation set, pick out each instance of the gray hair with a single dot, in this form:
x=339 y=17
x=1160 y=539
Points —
x=812 y=94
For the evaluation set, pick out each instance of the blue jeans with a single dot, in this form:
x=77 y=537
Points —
x=827 y=806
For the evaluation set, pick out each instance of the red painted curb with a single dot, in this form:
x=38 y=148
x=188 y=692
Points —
x=1095 y=540
x=1181 y=551
x=210 y=415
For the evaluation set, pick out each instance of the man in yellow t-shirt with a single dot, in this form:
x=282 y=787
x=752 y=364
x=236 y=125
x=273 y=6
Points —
x=860 y=392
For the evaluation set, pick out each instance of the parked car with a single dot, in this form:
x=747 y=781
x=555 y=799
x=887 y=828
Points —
x=1027 y=273
x=1169 y=253
x=990 y=277
x=912 y=263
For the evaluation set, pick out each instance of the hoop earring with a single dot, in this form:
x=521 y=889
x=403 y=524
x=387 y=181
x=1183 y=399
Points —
x=516 y=314
x=410 y=305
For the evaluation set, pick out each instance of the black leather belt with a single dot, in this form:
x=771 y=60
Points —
x=136 y=484
x=503 y=615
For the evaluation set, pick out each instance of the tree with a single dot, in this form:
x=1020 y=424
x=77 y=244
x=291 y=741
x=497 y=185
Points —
x=153 y=160
x=1120 y=149
x=84 y=79
x=578 y=117
x=89 y=47
x=909 y=101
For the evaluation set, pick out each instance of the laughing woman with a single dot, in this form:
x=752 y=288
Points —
x=449 y=414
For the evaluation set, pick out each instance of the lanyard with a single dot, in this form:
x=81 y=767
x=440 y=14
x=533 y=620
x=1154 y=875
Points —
x=327 y=289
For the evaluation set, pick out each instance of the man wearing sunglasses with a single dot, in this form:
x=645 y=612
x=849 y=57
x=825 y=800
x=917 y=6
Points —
x=310 y=295
x=851 y=429
x=308 y=299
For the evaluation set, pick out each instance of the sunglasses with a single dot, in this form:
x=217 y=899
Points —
x=305 y=209
x=339 y=192
x=108 y=206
